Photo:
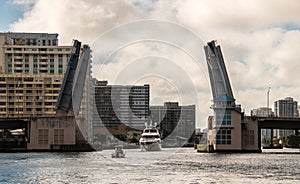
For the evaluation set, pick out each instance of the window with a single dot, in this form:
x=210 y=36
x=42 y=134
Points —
x=58 y=136
x=51 y=61
x=43 y=136
x=223 y=136
x=26 y=58
x=250 y=137
x=60 y=65
x=222 y=117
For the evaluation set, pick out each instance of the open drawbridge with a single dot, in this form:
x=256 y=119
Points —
x=64 y=131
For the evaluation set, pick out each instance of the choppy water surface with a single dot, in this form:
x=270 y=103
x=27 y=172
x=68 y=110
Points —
x=167 y=166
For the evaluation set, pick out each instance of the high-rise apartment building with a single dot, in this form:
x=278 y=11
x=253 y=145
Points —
x=121 y=105
x=32 y=67
x=286 y=107
x=20 y=56
x=174 y=120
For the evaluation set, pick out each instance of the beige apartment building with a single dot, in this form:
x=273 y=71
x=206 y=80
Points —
x=32 y=67
x=26 y=95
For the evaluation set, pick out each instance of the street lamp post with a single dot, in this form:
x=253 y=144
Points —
x=268 y=99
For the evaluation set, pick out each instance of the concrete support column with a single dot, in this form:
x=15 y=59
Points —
x=272 y=136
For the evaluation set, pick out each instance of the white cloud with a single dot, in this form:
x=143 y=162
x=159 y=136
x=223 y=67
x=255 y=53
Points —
x=259 y=39
x=84 y=20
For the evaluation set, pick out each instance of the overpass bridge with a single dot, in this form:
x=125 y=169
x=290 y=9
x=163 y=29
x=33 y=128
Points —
x=278 y=122
x=290 y=123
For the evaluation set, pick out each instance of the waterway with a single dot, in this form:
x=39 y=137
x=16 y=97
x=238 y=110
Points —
x=170 y=165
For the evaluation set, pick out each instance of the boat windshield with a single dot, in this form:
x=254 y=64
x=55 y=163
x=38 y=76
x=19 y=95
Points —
x=150 y=131
x=151 y=136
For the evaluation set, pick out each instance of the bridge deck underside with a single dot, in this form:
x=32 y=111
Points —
x=279 y=124
x=13 y=124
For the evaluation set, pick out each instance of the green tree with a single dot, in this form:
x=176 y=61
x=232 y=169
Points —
x=293 y=141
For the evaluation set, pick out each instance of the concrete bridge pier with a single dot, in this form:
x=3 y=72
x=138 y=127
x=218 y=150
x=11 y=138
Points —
x=272 y=135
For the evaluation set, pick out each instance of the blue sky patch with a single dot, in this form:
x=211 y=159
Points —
x=145 y=5
x=9 y=13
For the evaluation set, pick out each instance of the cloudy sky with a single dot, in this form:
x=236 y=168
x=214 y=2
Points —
x=259 y=39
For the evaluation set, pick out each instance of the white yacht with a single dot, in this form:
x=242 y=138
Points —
x=150 y=139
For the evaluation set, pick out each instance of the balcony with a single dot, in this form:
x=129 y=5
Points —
x=43 y=58
x=18 y=67
x=43 y=67
x=51 y=94
x=18 y=57
x=49 y=106
x=18 y=62
x=50 y=100
x=50 y=112
x=3 y=99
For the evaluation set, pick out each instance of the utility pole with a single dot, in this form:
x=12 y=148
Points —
x=268 y=100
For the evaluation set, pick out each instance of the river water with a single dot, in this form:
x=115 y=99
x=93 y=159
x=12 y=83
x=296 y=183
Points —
x=170 y=165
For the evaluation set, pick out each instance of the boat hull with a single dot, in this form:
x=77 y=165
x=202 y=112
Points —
x=150 y=146
x=118 y=156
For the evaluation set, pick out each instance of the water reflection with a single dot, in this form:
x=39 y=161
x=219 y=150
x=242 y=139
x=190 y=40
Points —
x=170 y=165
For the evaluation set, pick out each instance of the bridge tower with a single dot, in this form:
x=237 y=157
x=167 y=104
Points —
x=225 y=127
x=71 y=93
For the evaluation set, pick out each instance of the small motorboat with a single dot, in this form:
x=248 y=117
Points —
x=119 y=152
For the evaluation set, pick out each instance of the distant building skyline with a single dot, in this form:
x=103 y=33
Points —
x=262 y=112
